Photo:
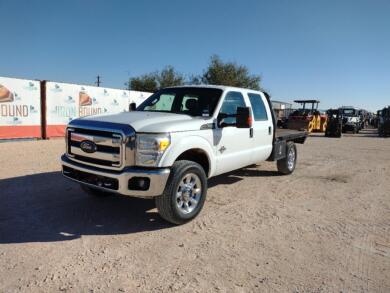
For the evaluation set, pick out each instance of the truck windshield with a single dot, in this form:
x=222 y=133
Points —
x=191 y=101
x=349 y=112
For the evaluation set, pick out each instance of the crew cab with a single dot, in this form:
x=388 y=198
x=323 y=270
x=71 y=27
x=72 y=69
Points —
x=168 y=146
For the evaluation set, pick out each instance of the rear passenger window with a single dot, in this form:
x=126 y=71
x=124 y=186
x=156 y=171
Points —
x=258 y=107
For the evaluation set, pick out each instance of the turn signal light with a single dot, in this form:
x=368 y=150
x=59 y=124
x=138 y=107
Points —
x=250 y=121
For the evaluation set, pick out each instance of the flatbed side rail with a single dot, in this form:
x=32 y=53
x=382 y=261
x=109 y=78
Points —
x=295 y=137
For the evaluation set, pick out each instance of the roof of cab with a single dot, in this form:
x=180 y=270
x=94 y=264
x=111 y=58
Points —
x=222 y=87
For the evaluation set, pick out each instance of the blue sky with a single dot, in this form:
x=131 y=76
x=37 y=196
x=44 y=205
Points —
x=333 y=50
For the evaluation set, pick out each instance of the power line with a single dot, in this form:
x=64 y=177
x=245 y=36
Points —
x=98 y=80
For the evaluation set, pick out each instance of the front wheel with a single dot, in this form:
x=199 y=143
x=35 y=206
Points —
x=287 y=165
x=184 y=194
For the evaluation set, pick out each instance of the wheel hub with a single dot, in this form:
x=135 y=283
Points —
x=291 y=159
x=188 y=193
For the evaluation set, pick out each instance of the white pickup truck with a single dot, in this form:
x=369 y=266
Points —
x=167 y=147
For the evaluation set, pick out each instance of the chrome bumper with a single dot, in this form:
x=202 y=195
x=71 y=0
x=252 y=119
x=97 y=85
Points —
x=158 y=178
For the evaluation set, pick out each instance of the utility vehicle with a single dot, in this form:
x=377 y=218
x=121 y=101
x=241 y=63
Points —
x=384 y=122
x=351 y=119
x=334 y=123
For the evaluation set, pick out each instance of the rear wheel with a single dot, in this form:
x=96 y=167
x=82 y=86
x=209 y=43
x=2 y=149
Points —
x=184 y=194
x=287 y=165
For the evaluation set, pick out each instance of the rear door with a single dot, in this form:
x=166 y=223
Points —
x=233 y=146
x=262 y=127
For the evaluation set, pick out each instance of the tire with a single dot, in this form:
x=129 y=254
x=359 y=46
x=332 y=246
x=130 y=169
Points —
x=185 y=178
x=94 y=191
x=284 y=166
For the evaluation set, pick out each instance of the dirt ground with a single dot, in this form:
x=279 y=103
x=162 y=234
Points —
x=326 y=228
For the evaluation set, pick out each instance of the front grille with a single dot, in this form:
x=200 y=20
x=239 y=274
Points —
x=100 y=144
x=108 y=147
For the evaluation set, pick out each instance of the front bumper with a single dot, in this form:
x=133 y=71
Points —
x=349 y=126
x=116 y=181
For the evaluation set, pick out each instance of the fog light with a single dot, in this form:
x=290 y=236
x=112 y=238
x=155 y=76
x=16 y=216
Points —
x=139 y=183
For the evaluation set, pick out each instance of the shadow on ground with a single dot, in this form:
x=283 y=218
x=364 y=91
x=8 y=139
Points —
x=46 y=207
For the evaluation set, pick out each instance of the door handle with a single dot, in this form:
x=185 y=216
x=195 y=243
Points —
x=250 y=132
x=269 y=130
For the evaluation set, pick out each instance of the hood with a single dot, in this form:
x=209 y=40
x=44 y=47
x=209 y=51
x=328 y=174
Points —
x=143 y=121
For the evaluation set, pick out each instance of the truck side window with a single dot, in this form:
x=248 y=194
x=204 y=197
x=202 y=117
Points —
x=258 y=107
x=230 y=104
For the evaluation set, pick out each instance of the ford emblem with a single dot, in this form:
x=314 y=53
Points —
x=88 y=146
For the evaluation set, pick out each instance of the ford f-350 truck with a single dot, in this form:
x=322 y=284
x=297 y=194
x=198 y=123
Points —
x=167 y=147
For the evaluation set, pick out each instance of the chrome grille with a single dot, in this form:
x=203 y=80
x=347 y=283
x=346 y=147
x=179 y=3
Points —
x=112 y=146
x=108 y=147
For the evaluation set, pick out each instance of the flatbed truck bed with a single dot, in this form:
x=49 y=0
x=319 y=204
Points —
x=290 y=135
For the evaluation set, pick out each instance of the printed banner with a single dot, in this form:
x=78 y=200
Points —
x=20 y=108
x=138 y=97
x=65 y=102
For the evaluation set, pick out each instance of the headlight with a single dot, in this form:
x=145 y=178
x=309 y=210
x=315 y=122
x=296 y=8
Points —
x=150 y=148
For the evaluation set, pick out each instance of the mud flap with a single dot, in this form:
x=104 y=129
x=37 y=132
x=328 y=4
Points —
x=278 y=150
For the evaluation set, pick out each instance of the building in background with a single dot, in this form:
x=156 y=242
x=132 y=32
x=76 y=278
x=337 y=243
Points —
x=282 y=111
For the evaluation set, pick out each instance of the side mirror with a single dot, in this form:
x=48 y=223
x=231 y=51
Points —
x=244 y=118
x=132 y=107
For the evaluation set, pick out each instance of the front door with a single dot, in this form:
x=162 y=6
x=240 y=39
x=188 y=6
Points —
x=233 y=145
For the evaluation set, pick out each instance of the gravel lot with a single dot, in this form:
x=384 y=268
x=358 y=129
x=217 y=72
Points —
x=326 y=228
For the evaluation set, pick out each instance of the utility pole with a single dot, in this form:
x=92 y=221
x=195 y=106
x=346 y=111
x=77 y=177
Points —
x=98 y=81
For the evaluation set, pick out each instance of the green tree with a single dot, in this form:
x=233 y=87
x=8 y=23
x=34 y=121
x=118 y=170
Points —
x=154 y=81
x=169 y=77
x=228 y=73
x=143 y=83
